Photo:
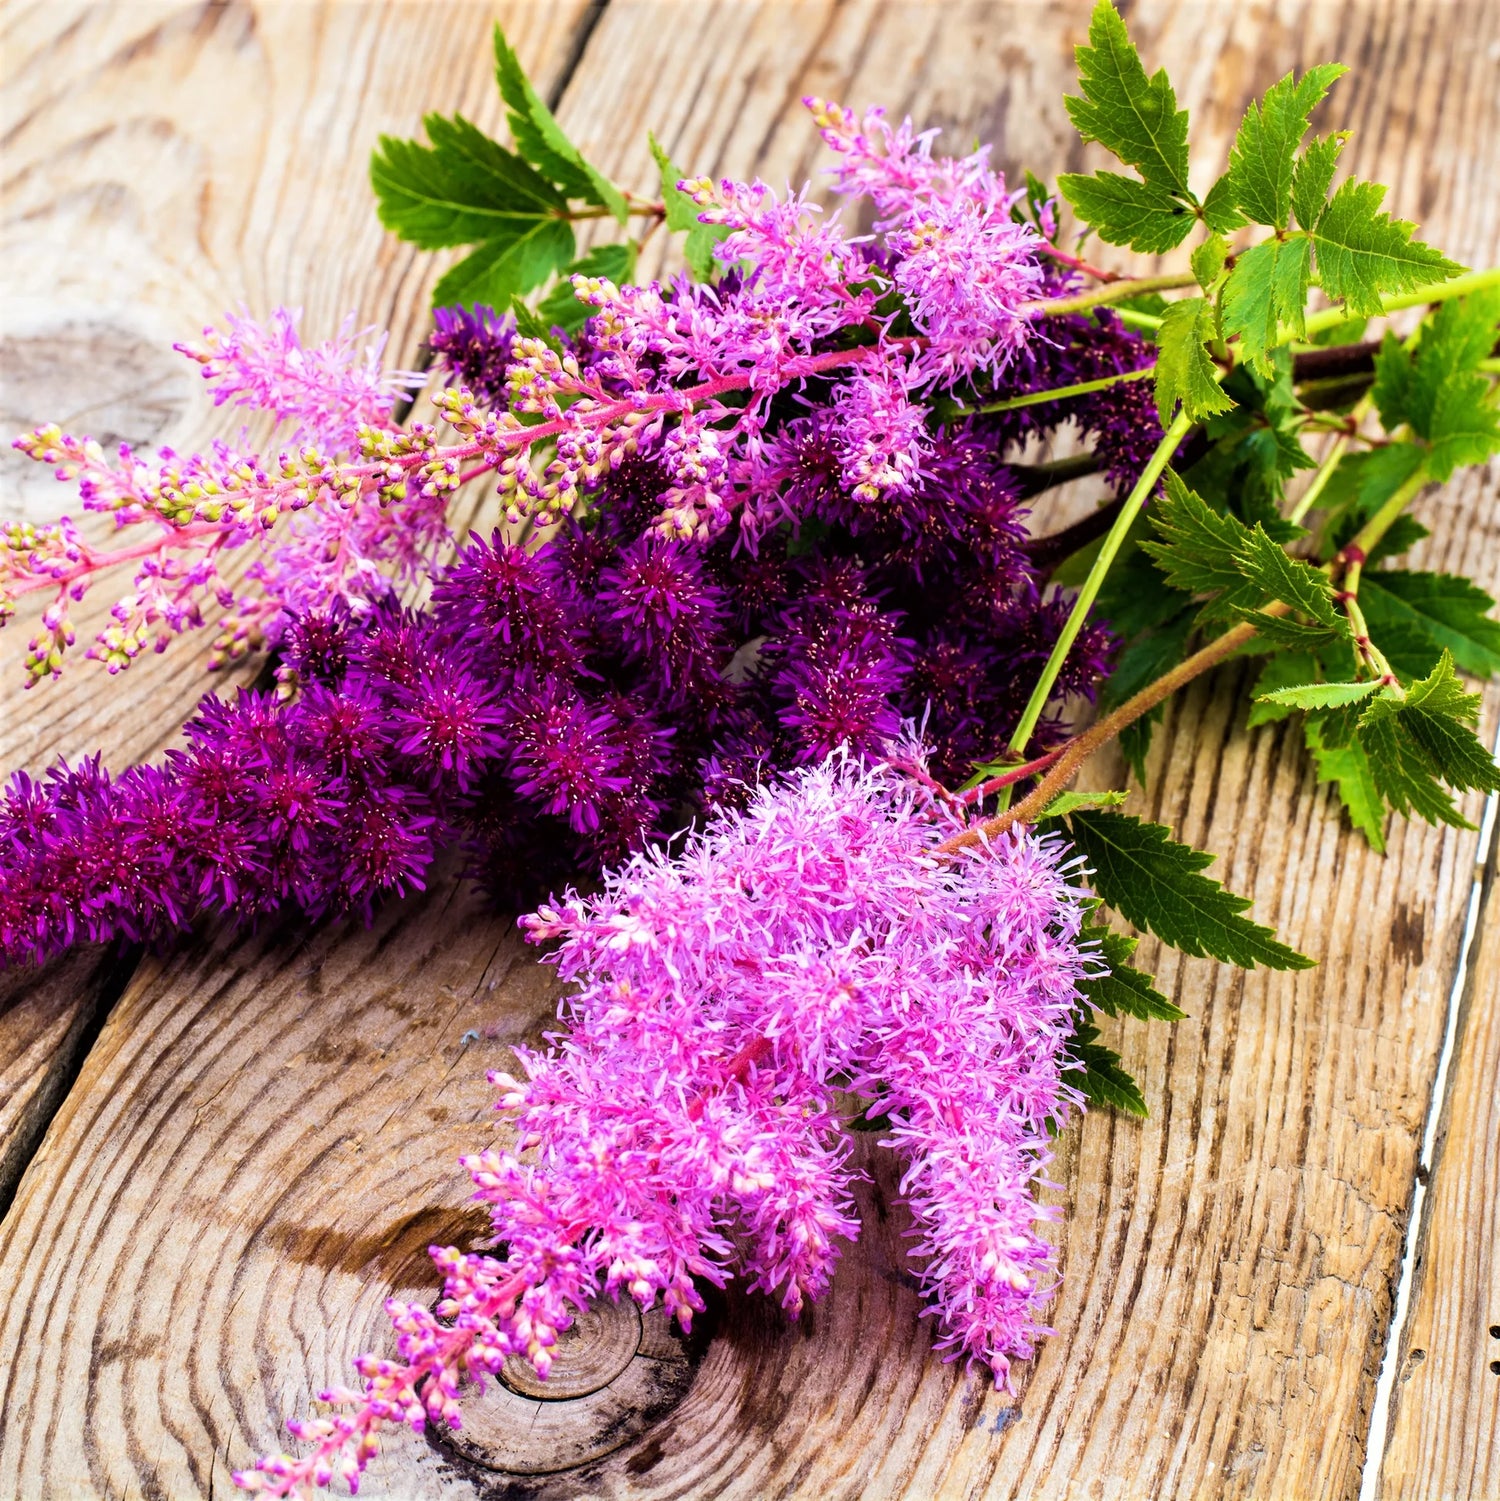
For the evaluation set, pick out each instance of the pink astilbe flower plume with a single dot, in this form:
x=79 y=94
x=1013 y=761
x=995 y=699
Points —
x=327 y=392
x=687 y=1128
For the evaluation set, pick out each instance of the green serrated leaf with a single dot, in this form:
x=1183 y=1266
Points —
x=1270 y=568
x=1363 y=253
x=1416 y=739
x=1147 y=655
x=543 y=142
x=1319 y=695
x=499 y=270
x=1261 y=160
x=1460 y=334
x=1184 y=371
x=561 y=308
x=682 y=214
x=1124 y=991
x=1134 y=116
x=1363 y=482
x=1465 y=426
x=1348 y=767
x=1199 y=551
x=1208 y=260
x=1438 y=391
x=1313 y=176
x=1219 y=212
x=1395 y=374
x=1135 y=742
x=1451 y=611
x=530 y=326
x=1103 y=1082
x=1126 y=211
x=460 y=190
x=1281 y=670
x=1268 y=287
x=1404 y=775
x=1401 y=536
x=1156 y=883
x=1277 y=630
x=1410 y=648
x=1440 y=692
x=1453 y=749
x=1067 y=802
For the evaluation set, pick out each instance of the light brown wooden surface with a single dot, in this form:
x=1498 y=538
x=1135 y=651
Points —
x=163 y=162
x=1445 y=1441
x=262 y=1140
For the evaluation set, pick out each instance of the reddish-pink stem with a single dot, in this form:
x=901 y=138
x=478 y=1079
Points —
x=1079 y=264
x=96 y=562
x=1006 y=779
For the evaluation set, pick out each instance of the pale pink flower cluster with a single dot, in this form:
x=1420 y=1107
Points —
x=963 y=264
x=691 y=1124
x=966 y=274
x=327 y=391
x=348 y=538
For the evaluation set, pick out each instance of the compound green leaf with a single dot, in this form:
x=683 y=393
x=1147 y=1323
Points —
x=1157 y=884
x=1134 y=116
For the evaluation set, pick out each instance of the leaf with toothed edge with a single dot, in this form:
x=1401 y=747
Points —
x=1157 y=884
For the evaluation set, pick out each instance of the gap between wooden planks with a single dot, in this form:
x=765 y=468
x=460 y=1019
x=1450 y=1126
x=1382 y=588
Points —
x=165 y=162
x=200 y=1241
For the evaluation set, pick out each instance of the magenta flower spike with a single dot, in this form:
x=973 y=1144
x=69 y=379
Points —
x=687 y=1127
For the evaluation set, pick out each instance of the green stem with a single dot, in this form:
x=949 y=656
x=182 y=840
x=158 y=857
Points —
x=1443 y=291
x=1061 y=393
x=1115 y=291
x=1086 y=596
x=1348 y=596
x=1330 y=462
x=1147 y=323
x=1380 y=523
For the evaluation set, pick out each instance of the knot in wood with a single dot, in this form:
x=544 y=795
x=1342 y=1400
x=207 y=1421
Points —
x=615 y=1373
x=588 y=1355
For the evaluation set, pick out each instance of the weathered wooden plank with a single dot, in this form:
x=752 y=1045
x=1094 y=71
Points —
x=1445 y=1439
x=162 y=162
x=46 y=1026
x=1228 y=1264
x=261 y=1144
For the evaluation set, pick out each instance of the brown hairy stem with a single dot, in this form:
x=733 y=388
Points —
x=1081 y=747
x=1334 y=359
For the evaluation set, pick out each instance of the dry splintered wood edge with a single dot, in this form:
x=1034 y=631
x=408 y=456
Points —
x=1445 y=1433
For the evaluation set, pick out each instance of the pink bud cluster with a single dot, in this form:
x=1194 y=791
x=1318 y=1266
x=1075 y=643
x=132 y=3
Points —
x=347 y=537
x=729 y=1001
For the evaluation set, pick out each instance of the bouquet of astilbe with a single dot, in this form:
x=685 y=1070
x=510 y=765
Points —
x=759 y=630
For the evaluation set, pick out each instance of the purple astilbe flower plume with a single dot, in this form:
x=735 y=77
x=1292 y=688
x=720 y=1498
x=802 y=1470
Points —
x=686 y=1129
x=473 y=349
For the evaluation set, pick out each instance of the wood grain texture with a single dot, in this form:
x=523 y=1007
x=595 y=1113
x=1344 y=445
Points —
x=164 y=161
x=246 y=1167
x=48 y=1019
x=260 y=1146
x=1445 y=1439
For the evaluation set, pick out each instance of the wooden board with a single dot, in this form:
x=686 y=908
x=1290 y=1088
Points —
x=246 y=1164
x=167 y=161
x=1445 y=1440
x=164 y=162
